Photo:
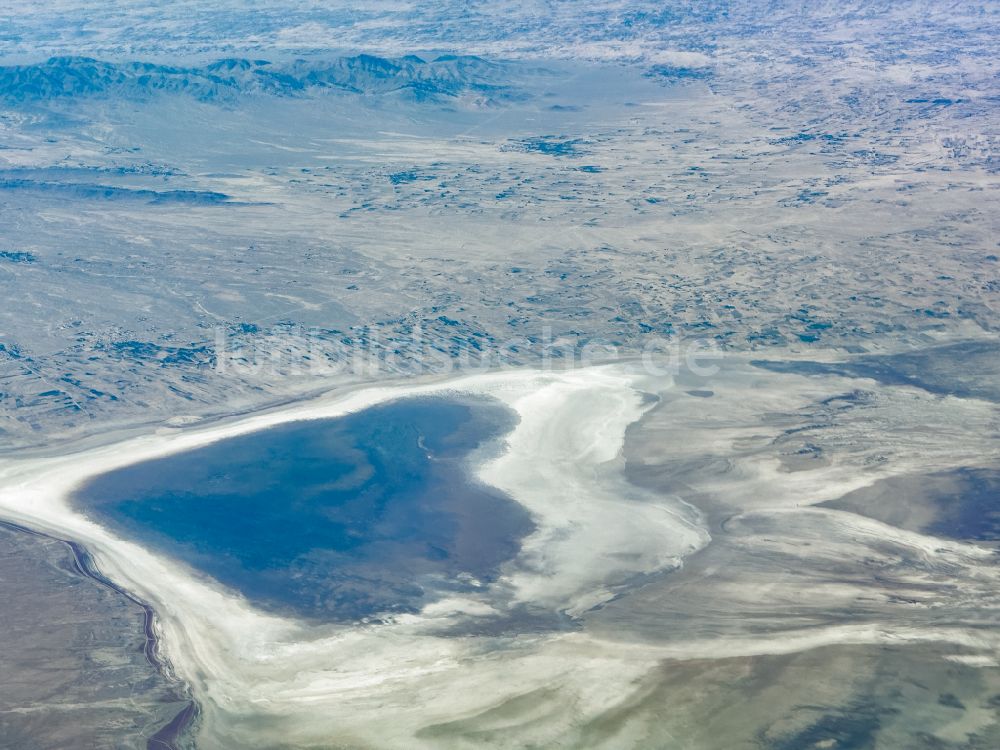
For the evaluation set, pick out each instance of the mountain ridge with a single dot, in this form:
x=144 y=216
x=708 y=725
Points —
x=442 y=78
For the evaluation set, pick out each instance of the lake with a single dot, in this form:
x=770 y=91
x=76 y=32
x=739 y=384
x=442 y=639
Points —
x=337 y=519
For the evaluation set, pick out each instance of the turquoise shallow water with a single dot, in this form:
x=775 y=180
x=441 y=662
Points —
x=334 y=519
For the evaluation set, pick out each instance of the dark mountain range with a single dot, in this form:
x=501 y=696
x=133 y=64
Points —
x=444 y=77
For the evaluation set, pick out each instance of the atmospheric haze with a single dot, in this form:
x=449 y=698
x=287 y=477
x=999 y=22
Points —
x=405 y=375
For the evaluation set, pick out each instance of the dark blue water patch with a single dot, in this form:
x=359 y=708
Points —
x=964 y=369
x=336 y=519
x=961 y=503
x=972 y=509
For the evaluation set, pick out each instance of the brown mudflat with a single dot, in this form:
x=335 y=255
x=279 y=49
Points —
x=78 y=667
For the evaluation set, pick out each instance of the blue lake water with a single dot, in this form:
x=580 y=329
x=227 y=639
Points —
x=334 y=519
